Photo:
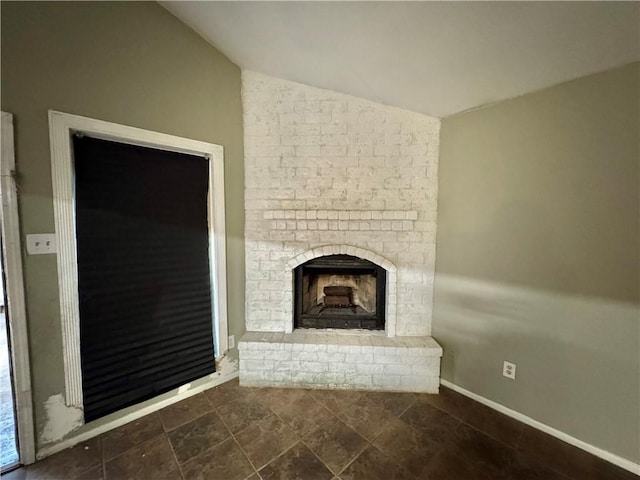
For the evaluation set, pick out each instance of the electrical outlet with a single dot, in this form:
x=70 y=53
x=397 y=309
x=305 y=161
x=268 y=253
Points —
x=41 y=243
x=509 y=370
x=232 y=341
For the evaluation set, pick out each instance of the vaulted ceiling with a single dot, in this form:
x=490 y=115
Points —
x=438 y=58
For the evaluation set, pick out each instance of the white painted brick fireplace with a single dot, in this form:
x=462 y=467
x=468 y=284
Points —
x=326 y=174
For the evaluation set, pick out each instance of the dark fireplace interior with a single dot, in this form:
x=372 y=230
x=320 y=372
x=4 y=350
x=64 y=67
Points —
x=339 y=291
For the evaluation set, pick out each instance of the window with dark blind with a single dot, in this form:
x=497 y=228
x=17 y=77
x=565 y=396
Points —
x=144 y=282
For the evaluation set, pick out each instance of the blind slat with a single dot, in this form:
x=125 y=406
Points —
x=143 y=272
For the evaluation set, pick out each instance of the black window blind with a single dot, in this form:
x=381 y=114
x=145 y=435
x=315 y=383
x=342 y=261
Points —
x=143 y=272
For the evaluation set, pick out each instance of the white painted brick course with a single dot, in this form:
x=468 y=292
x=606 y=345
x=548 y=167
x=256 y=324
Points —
x=344 y=361
x=328 y=170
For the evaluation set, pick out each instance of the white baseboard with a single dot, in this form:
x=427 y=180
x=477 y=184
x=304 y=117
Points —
x=154 y=407
x=598 y=452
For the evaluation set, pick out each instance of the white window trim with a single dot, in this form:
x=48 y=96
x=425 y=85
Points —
x=61 y=128
x=12 y=253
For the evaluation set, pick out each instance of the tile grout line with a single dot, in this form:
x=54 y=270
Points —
x=531 y=455
x=417 y=401
x=214 y=409
x=246 y=457
x=104 y=464
x=319 y=459
x=441 y=445
x=175 y=457
x=371 y=442
x=167 y=430
x=130 y=448
x=234 y=438
x=255 y=470
x=515 y=448
x=357 y=454
x=519 y=439
x=300 y=437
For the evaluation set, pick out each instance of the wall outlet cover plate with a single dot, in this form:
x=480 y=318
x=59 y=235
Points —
x=41 y=243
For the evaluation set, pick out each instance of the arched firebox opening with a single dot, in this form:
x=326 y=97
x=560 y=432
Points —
x=339 y=291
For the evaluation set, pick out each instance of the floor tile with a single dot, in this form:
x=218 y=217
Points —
x=242 y=413
x=129 y=435
x=297 y=463
x=225 y=461
x=561 y=456
x=480 y=450
x=197 y=436
x=525 y=467
x=445 y=466
x=451 y=402
x=277 y=398
x=324 y=435
x=436 y=424
x=495 y=424
x=182 y=412
x=372 y=464
x=365 y=417
x=93 y=473
x=73 y=463
x=406 y=447
x=607 y=471
x=335 y=443
x=228 y=392
x=151 y=459
x=303 y=415
x=394 y=402
x=336 y=399
x=265 y=440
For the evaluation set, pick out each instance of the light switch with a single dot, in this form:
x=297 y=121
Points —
x=41 y=243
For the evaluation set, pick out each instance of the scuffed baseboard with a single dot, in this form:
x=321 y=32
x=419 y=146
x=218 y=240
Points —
x=154 y=407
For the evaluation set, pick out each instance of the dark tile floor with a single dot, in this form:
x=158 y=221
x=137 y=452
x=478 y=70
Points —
x=235 y=433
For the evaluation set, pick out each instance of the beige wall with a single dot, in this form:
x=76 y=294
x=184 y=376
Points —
x=538 y=256
x=126 y=62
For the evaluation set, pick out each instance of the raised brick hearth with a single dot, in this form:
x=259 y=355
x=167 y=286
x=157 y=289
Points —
x=337 y=360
